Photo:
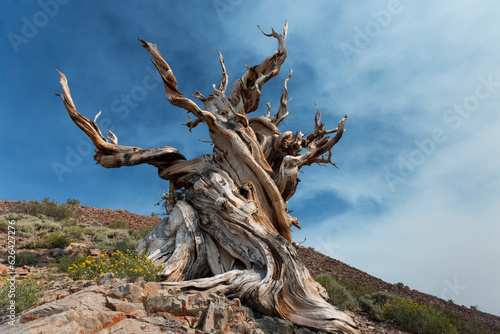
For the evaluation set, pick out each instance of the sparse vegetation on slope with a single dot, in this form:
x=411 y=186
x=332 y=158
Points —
x=28 y=293
x=418 y=318
x=345 y=289
x=47 y=207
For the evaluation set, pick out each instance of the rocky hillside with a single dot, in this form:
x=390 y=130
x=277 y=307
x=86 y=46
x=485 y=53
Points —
x=72 y=300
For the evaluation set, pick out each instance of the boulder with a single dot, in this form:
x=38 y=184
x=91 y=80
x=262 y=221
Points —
x=109 y=305
x=4 y=269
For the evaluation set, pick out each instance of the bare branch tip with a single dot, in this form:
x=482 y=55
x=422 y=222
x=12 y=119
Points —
x=62 y=76
x=97 y=116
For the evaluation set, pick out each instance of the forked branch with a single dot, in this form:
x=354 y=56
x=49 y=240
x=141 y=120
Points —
x=318 y=144
x=110 y=154
x=173 y=95
x=90 y=127
x=282 y=112
x=245 y=92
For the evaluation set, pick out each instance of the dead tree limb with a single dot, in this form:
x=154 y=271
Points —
x=232 y=233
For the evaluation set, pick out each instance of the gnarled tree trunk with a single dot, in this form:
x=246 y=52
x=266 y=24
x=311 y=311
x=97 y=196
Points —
x=232 y=233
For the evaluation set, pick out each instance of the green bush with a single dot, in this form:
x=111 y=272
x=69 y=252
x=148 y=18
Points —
x=118 y=234
x=471 y=326
x=91 y=224
x=170 y=197
x=76 y=232
x=46 y=207
x=374 y=302
x=402 y=286
x=4 y=226
x=62 y=264
x=27 y=294
x=54 y=240
x=415 y=317
x=73 y=201
x=128 y=265
x=356 y=289
x=339 y=296
x=29 y=226
x=114 y=245
x=27 y=259
x=118 y=224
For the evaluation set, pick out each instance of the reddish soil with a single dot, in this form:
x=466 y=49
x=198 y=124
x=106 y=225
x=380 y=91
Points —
x=316 y=262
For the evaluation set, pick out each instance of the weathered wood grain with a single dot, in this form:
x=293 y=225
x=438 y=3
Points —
x=232 y=233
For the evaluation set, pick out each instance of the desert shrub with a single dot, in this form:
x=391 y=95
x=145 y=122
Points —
x=117 y=244
x=118 y=224
x=62 y=264
x=356 y=289
x=72 y=221
x=47 y=207
x=73 y=201
x=91 y=223
x=128 y=265
x=76 y=232
x=29 y=226
x=29 y=244
x=471 y=326
x=98 y=233
x=27 y=259
x=374 y=302
x=27 y=294
x=4 y=226
x=415 y=317
x=119 y=210
x=118 y=234
x=170 y=197
x=402 y=286
x=54 y=240
x=125 y=245
x=339 y=296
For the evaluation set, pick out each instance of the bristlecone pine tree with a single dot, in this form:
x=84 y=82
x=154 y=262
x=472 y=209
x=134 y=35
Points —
x=232 y=233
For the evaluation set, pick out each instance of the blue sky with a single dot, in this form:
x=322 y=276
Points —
x=416 y=198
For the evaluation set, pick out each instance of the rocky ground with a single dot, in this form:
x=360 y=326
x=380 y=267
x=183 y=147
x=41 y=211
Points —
x=113 y=306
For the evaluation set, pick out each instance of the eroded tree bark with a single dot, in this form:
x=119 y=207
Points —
x=232 y=234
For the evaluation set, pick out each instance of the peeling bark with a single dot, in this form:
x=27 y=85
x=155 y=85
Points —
x=232 y=233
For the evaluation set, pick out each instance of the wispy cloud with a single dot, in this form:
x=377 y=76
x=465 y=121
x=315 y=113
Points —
x=410 y=90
